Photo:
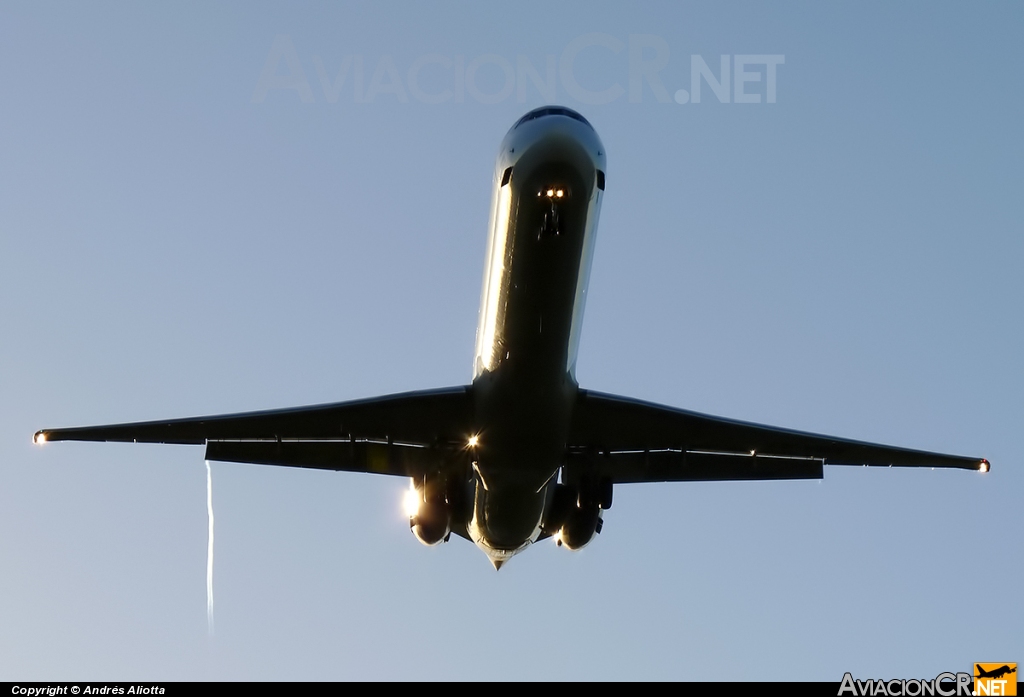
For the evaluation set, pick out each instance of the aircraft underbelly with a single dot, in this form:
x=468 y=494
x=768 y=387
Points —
x=542 y=227
x=523 y=403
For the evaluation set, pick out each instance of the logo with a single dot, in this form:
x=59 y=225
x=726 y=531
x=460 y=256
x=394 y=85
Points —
x=990 y=679
x=637 y=66
x=995 y=679
x=943 y=685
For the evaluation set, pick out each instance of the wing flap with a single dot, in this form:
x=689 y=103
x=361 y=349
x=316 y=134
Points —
x=683 y=466
x=346 y=456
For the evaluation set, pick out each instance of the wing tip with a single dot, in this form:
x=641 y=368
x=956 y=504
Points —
x=40 y=437
x=984 y=465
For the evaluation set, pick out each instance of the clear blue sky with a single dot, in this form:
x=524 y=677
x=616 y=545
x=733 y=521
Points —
x=175 y=242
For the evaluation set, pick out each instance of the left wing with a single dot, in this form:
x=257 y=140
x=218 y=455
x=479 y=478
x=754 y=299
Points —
x=632 y=441
x=401 y=434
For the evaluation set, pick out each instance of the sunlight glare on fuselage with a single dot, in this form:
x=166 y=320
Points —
x=495 y=273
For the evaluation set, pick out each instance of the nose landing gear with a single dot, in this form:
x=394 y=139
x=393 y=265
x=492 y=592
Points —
x=551 y=227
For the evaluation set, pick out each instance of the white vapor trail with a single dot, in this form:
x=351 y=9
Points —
x=209 y=549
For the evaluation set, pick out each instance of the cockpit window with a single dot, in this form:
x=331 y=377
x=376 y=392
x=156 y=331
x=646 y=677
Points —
x=550 y=111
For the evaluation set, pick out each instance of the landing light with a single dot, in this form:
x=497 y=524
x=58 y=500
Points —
x=473 y=441
x=411 y=501
x=39 y=438
x=984 y=466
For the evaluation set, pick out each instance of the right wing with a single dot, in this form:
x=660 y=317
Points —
x=402 y=434
x=629 y=440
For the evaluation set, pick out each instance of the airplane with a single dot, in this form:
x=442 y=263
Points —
x=996 y=672
x=522 y=453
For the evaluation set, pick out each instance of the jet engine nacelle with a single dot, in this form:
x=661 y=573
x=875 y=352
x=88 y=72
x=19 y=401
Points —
x=576 y=512
x=432 y=523
x=580 y=527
